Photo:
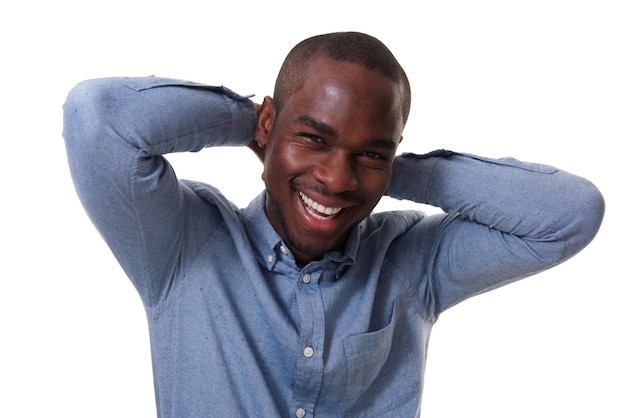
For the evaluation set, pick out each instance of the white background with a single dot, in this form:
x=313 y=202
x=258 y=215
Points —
x=539 y=80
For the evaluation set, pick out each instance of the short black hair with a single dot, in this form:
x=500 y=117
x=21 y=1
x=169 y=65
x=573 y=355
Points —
x=354 y=47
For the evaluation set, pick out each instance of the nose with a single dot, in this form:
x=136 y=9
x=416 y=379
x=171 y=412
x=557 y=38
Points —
x=337 y=172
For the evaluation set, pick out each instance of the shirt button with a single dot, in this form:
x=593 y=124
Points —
x=308 y=352
x=270 y=258
x=306 y=278
x=283 y=249
x=300 y=413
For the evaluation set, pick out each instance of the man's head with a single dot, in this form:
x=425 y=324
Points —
x=354 y=47
x=330 y=136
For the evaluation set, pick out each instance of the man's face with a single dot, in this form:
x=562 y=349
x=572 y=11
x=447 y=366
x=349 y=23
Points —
x=329 y=154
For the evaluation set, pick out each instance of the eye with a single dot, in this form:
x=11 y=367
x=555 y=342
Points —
x=373 y=155
x=312 y=137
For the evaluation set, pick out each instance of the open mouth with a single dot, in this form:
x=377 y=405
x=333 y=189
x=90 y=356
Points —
x=317 y=210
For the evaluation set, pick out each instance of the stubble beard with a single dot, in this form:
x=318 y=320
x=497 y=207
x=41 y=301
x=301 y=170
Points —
x=294 y=242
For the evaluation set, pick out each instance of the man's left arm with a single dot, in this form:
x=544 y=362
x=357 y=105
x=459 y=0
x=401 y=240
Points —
x=505 y=219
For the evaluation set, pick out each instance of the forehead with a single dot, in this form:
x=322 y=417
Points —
x=340 y=92
x=321 y=70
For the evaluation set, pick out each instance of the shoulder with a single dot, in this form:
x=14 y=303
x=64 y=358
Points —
x=390 y=224
x=207 y=194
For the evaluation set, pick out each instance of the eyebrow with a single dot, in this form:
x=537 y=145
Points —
x=331 y=132
x=317 y=125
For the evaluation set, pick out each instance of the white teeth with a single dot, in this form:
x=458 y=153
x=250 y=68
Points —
x=315 y=209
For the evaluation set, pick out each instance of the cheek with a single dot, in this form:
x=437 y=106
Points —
x=277 y=171
x=375 y=194
x=376 y=181
x=374 y=188
x=284 y=160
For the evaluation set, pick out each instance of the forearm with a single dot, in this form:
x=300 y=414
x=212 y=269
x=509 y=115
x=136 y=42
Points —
x=531 y=201
x=160 y=116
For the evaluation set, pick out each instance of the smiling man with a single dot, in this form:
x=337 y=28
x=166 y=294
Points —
x=305 y=303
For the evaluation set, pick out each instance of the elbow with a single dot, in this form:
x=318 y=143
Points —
x=594 y=207
x=88 y=126
x=589 y=216
x=88 y=109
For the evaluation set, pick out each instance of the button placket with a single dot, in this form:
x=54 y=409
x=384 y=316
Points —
x=310 y=367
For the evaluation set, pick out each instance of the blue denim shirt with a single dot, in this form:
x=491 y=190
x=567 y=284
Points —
x=237 y=327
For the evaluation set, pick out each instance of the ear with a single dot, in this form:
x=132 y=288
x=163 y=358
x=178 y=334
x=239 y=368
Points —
x=265 y=121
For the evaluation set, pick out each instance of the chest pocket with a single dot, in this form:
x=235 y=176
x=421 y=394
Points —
x=384 y=367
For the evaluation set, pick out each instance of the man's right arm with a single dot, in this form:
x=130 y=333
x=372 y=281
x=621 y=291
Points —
x=116 y=131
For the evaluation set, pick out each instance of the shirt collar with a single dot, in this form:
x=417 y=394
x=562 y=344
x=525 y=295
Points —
x=271 y=249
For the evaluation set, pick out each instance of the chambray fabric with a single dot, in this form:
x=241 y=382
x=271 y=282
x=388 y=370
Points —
x=237 y=328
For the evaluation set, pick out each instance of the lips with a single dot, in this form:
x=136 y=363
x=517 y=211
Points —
x=317 y=210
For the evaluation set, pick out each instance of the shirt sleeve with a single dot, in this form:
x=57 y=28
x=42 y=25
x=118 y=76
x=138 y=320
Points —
x=116 y=131
x=504 y=220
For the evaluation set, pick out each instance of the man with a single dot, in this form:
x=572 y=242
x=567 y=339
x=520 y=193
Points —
x=305 y=303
